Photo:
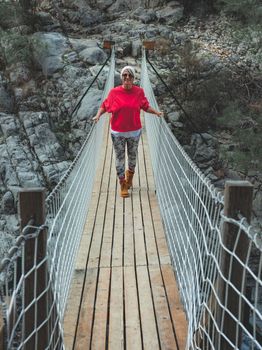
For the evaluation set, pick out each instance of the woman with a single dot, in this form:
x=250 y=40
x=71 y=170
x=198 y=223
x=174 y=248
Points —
x=125 y=102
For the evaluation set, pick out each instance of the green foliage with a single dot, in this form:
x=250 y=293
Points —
x=28 y=4
x=11 y=15
x=15 y=48
x=14 y=14
x=201 y=6
x=249 y=11
x=206 y=89
x=246 y=10
x=245 y=126
x=202 y=90
x=163 y=46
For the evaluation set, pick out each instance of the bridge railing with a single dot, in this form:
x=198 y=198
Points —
x=35 y=277
x=216 y=257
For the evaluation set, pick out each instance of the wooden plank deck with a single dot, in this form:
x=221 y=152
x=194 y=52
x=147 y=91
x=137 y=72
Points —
x=124 y=294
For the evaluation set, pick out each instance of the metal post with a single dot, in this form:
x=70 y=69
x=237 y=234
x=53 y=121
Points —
x=238 y=199
x=149 y=45
x=32 y=206
x=108 y=44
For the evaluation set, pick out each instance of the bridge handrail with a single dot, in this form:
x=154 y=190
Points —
x=203 y=253
x=66 y=210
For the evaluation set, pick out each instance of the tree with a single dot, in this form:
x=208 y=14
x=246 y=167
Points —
x=28 y=5
x=245 y=10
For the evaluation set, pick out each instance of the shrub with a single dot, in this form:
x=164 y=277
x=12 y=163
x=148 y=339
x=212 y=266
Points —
x=11 y=15
x=203 y=90
x=245 y=10
x=15 y=48
x=245 y=126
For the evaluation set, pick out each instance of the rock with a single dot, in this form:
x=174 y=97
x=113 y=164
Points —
x=104 y=4
x=173 y=117
x=6 y=100
x=7 y=240
x=202 y=153
x=170 y=14
x=41 y=138
x=25 y=90
x=82 y=44
x=48 y=51
x=89 y=105
x=93 y=55
x=144 y=15
x=8 y=125
x=19 y=73
x=8 y=205
x=101 y=79
x=54 y=172
x=45 y=18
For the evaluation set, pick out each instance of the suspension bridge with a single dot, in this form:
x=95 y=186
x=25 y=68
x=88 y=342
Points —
x=174 y=266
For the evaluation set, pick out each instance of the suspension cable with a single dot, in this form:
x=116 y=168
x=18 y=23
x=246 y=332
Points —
x=176 y=100
x=89 y=87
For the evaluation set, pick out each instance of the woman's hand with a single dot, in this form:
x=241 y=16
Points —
x=96 y=118
x=154 y=111
x=98 y=114
x=160 y=114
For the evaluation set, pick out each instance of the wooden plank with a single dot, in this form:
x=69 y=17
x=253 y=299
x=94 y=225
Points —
x=177 y=312
x=101 y=311
x=106 y=251
x=92 y=211
x=103 y=158
x=136 y=181
x=113 y=180
x=117 y=252
x=141 y=167
x=129 y=250
x=151 y=248
x=105 y=171
x=95 y=249
x=148 y=164
x=163 y=252
x=73 y=308
x=148 y=321
x=164 y=321
x=84 y=325
x=132 y=320
x=116 y=317
x=140 y=249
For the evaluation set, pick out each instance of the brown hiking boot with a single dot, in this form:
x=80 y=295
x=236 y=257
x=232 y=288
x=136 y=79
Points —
x=129 y=178
x=123 y=189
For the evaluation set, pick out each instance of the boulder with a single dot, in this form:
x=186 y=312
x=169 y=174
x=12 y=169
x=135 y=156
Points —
x=8 y=204
x=93 y=55
x=169 y=14
x=48 y=51
x=8 y=125
x=89 y=105
x=19 y=73
x=6 y=100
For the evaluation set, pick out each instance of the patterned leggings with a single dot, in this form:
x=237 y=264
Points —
x=120 y=143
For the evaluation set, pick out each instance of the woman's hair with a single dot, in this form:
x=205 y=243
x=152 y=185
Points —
x=129 y=69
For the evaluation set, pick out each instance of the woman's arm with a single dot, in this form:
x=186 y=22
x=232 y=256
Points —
x=98 y=114
x=153 y=111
